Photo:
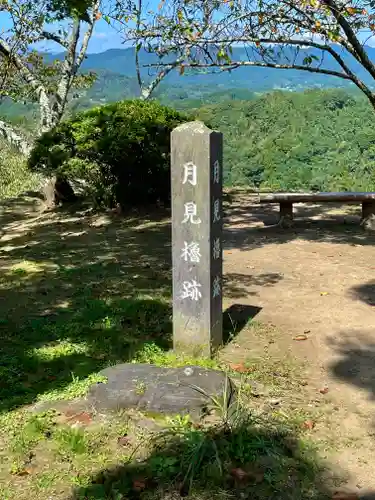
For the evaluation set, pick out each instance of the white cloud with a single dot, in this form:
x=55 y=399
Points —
x=100 y=35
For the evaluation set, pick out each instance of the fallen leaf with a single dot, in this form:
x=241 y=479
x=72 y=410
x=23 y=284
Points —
x=82 y=418
x=323 y=293
x=240 y=368
x=26 y=471
x=239 y=474
x=308 y=424
x=307 y=331
x=139 y=484
x=300 y=337
x=323 y=390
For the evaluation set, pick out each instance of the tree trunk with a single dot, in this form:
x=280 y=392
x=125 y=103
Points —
x=49 y=118
x=14 y=138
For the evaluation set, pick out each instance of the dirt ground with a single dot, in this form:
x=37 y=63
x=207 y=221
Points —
x=317 y=280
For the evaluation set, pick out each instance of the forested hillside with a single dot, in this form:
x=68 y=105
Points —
x=319 y=140
x=312 y=140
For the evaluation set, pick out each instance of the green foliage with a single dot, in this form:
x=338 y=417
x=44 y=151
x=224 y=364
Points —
x=60 y=9
x=120 y=151
x=315 y=140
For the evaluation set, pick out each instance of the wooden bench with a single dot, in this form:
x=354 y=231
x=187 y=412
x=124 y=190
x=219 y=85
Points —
x=286 y=201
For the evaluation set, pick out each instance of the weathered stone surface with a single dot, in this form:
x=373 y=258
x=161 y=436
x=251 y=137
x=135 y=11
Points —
x=197 y=221
x=161 y=390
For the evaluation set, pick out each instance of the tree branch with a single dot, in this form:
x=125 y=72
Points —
x=53 y=37
x=87 y=36
x=137 y=49
x=146 y=92
x=234 y=65
x=349 y=74
x=22 y=67
x=351 y=36
x=68 y=71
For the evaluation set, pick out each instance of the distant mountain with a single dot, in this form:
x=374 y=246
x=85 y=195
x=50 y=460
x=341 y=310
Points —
x=122 y=62
x=116 y=80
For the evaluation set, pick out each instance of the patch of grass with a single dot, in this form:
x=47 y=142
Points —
x=25 y=437
x=239 y=459
x=80 y=297
x=59 y=356
x=153 y=354
x=71 y=442
x=15 y=175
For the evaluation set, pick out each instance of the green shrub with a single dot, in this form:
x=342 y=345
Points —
x=121 y=151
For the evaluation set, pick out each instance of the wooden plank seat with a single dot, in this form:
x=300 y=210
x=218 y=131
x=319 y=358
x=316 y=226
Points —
x=286 y=201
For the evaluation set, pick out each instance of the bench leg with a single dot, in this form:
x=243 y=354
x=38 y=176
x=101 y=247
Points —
x=368 y=208
x=286 y=214
x=368 y=215
x=286 y=211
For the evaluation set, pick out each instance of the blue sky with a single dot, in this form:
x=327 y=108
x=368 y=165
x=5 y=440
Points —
x=104 y=36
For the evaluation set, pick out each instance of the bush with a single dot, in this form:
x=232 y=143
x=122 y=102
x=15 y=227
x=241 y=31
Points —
x=120 y=151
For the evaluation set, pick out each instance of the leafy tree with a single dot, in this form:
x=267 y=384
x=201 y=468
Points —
x=201 y=34
x=26 y=75
x=313 y=140
x=119 y=151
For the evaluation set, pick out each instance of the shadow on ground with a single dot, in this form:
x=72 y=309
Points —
x=236 y=285
x=236 y=318
x=251 y=225
x=356 y=362
x=356 y=350
x=217 y=463
x=365 y=292
x=80 y=290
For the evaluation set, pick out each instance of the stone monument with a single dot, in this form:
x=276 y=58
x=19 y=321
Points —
x=197 y=224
